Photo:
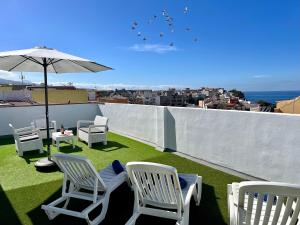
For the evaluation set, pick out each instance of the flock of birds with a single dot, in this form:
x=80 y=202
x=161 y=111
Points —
x=169 y=21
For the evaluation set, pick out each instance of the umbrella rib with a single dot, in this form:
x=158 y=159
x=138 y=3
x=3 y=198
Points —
x=17 y=65
x=102 y=65
x=82 y=66
x=56 y=61
x=53 y=65
x=32 y=59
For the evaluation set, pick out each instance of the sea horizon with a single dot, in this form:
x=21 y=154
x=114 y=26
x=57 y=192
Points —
x=271 y=96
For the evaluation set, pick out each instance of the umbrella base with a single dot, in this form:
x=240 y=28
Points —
x=45 y=165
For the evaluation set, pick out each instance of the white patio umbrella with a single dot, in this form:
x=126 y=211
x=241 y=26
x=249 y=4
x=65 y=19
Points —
x=43 y=59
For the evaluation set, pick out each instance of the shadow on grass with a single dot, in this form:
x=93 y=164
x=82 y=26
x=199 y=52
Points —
x=120 y=204
x=121 y=208
x=69 y=149
x=8 y=214
x=7 y=141
x=111 y=146
x=33 y=156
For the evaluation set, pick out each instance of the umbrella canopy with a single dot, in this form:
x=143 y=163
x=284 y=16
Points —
x=43 y=59
x=32 y=60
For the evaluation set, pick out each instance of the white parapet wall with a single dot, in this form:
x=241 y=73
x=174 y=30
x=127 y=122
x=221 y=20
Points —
x=263 y=145
x=68 y=115
x=142 y=122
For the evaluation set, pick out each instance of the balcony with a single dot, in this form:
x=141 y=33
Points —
x=249 y=145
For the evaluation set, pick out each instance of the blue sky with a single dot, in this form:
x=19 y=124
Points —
x=248 y=44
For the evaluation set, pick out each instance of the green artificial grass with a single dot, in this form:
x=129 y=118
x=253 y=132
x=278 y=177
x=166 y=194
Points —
x=23 y=189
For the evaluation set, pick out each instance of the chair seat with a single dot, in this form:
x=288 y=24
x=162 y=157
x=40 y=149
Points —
x=108 y=175
x=29 y=137
x=93 y=130
x=190 y=179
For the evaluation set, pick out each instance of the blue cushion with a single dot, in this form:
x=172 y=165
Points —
x=117 y=166
x=266 y=196
x=182 y=182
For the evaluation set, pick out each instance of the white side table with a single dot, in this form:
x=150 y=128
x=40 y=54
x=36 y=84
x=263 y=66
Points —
x=58 y=137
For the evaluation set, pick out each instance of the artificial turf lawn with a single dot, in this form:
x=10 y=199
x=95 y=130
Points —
x=24 y=190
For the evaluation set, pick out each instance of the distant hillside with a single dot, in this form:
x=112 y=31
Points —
x=4 y=81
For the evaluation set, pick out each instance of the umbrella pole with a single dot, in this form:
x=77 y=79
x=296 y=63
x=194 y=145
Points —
x=46 y=163
x=46 y=105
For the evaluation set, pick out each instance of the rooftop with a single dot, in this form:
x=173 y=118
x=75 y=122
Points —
x=24 y=190
x=201 y=141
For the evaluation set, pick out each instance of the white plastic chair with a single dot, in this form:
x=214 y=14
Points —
x=93 y=131
x=27 y=139
x=157 y=191
x=41 y=125
x=260 y=202
x=83 y=177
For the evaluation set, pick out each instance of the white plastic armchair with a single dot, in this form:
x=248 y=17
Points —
x=85 y=183
x=41 y=125
x=27 y=139
x=93 y=131
x=158 y=193
x=263 y=203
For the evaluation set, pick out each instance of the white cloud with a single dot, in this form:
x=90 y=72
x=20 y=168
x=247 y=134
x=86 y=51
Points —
x=156 y=48
x=260 y=76
x=118 y=86
x=9 y=75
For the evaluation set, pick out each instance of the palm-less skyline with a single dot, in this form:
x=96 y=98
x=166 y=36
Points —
x=249 y=45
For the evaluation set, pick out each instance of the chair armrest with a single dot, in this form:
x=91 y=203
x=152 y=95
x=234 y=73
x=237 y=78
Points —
x=79 y=122
x=94 y=126
x=54 y=125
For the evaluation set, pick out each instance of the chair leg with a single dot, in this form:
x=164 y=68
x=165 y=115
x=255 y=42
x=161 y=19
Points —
x=197 y=191
x=133 y=219
x=185 y=216
x=102 y=215
x=105 y=142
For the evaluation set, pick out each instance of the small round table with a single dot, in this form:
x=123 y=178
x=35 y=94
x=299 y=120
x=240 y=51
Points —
x=58 y=137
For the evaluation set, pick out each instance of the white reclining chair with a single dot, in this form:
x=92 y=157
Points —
x=27 y=139
x=261 y=202
x=41 y=125
x=93 y=131
x=157 y=191
x=85 y=184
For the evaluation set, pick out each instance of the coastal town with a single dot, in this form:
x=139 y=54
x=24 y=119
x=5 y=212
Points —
x=204 y=97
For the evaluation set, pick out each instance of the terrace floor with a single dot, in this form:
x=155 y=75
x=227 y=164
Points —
x=23 y=189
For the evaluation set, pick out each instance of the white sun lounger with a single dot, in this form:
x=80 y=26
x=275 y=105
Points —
x=158 y=193
x=263 y=203
x=82 y=177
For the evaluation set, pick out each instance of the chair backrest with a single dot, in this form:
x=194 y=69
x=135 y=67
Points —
x=102 y=121
x=157 y=184
x=14 y=130
x=22 y=131
x=280 y=203
x=40 y=123
x=79 y=170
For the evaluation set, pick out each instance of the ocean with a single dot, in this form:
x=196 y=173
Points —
x=270 y=96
